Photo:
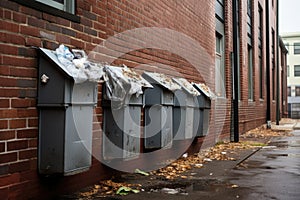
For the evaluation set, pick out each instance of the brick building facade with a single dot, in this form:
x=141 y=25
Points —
x=89 y=25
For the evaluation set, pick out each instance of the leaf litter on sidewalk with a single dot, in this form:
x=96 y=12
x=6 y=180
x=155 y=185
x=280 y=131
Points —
x=221 y=151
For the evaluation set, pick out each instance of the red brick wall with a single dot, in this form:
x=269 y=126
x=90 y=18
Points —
x=23 y=28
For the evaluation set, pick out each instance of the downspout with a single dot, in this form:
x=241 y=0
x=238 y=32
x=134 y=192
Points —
x=235 y=74
x=277 y=68
x=268 y=114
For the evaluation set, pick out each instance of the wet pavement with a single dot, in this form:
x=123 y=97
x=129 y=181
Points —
x=272 y=172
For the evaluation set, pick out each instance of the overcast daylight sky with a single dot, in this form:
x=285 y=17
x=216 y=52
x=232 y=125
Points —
x=289 y=16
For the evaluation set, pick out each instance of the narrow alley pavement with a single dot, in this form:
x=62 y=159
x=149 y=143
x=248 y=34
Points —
x=265 y=172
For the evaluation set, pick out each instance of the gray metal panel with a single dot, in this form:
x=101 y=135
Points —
x=58 y=89
x=132 y=132
x=189 y=121
x=78 y=138
x=51 y=140
x=183 y=119
x=112 y=133
x=85 y=93
x=153 y=126
x=121 y=132
x=180 y=98
x=167 y=98
x=167 y=129
x=178 y=126
x=198 y=122
x=206 y=119
x=153 y=96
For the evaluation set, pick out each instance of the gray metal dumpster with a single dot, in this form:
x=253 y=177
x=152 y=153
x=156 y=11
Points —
x=158 y=116
x=183 y=111
x=65 y=118
x=202 y=109
x=122 y=114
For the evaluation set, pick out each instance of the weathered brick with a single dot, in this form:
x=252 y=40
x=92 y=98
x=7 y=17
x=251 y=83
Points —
x=22 y=103
x=33 y=41
x=12 y=38
x=27 y=133
x=8 y=49
x=23 y=72
x=8 y=157
x=27 y=52
x=33 y=122
x=53 y=27
x=36 y=22
x=8 y=82
x=9 y=179
x=18 y=17
x=7 y=134
x=28 y=154
x=2 y=147
x=4 y=103
x=9 y=26
x=33 y=143
x=31 y=12
x=68 y=32
x=19 y=167
x=17 y=145
x=17 y=123
x=29 y=31
x=25 y=83
x=19 y=61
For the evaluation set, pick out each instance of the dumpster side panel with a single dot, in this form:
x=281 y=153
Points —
x=152 y=131
x=58 y=88
x=189 y=115
x=113 y=133
x=167 y=129
x=51 y=140
x=132 y=132
x=78 y=139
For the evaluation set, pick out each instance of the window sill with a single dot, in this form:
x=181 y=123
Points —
x=48 y=9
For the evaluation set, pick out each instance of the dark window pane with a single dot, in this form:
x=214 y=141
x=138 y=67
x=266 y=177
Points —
x=297 y=70
x=296 y=48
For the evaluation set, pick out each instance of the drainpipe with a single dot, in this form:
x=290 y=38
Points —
x=277 y=68
x=268 y=114
x=235 y=74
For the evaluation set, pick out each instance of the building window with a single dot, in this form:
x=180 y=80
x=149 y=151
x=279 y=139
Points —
x=273 y=65
x=296 y=48
x=297 y=70
x=60 y=8
x=220 y=67
x=297 y=91
x=249 y=21
x=288 y=71
x=250 y=73
x=289 y=91
x=65 y=5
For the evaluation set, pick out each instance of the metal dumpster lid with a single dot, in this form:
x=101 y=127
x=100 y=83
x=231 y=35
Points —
x=163 y=80
x=205 y=90
x=187 y=86
x=92 y=73
x=129 y=76
x=51 y=54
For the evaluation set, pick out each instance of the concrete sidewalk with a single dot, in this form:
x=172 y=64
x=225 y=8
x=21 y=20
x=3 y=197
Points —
x=223 y=179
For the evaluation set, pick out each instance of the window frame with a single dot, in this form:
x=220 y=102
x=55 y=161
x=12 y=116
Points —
x=250 y=74
x=296 y=48
x=297 y=71
x=37 y=5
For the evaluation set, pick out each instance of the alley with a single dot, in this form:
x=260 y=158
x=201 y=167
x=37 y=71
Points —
x=272 y=172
